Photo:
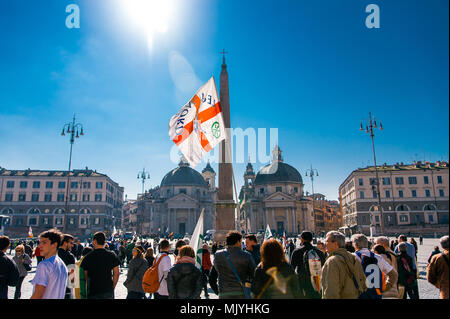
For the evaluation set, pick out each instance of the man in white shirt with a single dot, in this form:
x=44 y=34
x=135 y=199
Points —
x=163 y=269
x=50 y=280
x=374 y=282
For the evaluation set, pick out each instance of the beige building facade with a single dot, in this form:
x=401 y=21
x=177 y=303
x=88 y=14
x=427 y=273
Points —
x=37 y=198
x=414 y=199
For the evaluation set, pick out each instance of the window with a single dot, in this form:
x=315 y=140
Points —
x=87 y=185
x=427 y=193
x=45 y=221
x=425 y=179
x=386 y=181
x=8 y=197
x=10 y=184
x=98 y=197
x=439 y=179
x=22 y=197
x=430 y=218
x=412 y=180
x=99 y=185
x=48 y=197
x=361 y=195
x=86 y=198
x=73 y=184
x=71 y=221
x=373 y=181
x=296 y=189
x=58 y=221
x=60 y=197
x=388 y=194
x=48 y=184
x=35 y=197
x=32 y=221
x=36 y=184
x=441 y=193
x=361 y=182
x=374 y=194
x=96 y=221
x=399 y=180
x=73 y=197
x=377 y=219
x=23 y=184
x=404 y=218
x=182 y=190
x=278 y=189
x=400 y=193
x=261 y=190
x=61 y=184
x=413 y=193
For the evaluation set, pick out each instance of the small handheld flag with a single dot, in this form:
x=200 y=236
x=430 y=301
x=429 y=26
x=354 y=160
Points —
x=30 y=233
x=268 y=233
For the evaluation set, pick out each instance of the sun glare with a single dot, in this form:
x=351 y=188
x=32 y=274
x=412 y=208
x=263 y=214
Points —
x=151 y=16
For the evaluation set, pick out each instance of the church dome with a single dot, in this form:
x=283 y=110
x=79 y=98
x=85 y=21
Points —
x=277 y=171
x=183 y=175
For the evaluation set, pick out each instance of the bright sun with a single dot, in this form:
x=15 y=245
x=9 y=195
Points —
x=150 y=15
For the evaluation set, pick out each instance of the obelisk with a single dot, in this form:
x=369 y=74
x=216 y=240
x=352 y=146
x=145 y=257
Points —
x=225 y=205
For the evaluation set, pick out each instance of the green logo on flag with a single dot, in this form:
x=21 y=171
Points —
x=215 y=129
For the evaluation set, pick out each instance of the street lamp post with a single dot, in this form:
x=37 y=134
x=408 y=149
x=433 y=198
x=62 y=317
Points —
x=312 y=171
x=372 y=124
x=70 y=128
x=143 y=176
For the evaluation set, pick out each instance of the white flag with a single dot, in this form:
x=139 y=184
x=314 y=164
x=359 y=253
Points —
x=198 y=126
x=268 y=233
x=197 y=241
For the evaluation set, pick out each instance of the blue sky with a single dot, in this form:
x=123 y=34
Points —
x=309 y=68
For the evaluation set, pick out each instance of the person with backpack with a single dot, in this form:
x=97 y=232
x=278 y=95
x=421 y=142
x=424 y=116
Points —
x=274 y=277
x=438 y=269
x=391 y=258
x=308 y=261
x=184 y=280
x=407 y=275
x=155 y=278
x=380 y=275
x=342 y=274
x=233 y=268
x=136 y=270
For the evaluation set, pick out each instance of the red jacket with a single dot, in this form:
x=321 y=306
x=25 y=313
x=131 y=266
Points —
x=206 y=260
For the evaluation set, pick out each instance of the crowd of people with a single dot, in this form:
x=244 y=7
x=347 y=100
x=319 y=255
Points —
x=334 y=269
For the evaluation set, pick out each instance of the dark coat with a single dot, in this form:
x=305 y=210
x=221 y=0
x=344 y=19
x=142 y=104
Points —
x=136 y=270
x=9 y=275
x=406 y=277
x=228 y=284
x=286 y=287
x=184 y=281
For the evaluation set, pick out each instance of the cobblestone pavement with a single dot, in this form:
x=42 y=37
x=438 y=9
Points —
x=426 y=290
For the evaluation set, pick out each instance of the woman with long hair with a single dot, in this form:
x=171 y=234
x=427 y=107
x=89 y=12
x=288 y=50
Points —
x=136 y=270
x=274 y=277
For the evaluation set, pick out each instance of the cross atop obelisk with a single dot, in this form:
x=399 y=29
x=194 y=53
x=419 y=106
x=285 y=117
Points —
x=223 y=52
